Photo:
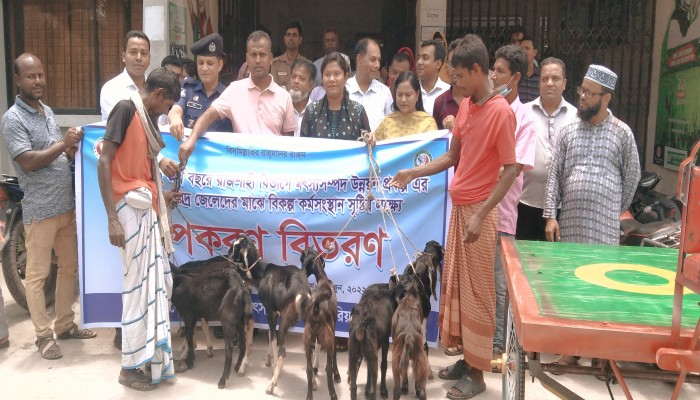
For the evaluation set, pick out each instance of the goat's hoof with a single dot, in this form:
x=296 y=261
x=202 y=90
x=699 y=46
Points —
x=404 y=389
x=222 y=383
x=268 y=362
x=430 y=374
x=384 y=393
x=334 y=396
x=270 y=389
x=315 y=370
x=210 y=351
x=314 y=386
x=336 y=378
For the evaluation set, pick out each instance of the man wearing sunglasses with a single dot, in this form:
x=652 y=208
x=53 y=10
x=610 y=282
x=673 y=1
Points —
x=594 y=170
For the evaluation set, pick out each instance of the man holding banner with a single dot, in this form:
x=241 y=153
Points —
x=482 y=143
x=130 y=185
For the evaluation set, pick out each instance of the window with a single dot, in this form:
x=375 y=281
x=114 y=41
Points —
x=79 y=43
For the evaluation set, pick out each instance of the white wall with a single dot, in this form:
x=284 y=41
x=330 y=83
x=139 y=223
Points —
x=664 y=9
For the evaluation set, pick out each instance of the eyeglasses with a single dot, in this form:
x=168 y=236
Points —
x=587 y=93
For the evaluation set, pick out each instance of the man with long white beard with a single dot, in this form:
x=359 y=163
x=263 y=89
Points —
x=302 y=81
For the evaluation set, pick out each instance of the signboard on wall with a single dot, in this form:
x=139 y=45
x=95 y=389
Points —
x=178 y=32
x=678 y=113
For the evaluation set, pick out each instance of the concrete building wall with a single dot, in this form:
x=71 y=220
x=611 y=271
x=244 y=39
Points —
x=5 y=162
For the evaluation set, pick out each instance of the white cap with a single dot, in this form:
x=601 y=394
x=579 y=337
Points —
x=602 y=75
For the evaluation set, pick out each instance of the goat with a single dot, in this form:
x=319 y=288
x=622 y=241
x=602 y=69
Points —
x=370 y=327
x=425 y=268
x=283 y=291
x=215 y=291
x=320 y=316
x=407 y=331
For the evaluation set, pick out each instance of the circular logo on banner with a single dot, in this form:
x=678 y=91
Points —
x=97 y=148
x=422 y=157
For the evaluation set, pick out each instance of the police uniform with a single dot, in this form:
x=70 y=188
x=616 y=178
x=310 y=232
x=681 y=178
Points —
x=281 y=70
x=193 y=99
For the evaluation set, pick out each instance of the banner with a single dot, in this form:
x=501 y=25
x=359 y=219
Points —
x=286 y=193
x=678 y=119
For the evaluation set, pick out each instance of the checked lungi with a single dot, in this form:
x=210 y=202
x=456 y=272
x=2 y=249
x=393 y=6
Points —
x=468 y=299
x=147 y=288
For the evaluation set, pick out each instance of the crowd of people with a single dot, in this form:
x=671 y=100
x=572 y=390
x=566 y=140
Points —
x=527 y=164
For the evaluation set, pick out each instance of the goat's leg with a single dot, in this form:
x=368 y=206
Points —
x=227 y=326
x=383 y=391
x=245 y=343
x=353 y=355
x=317 y=352
x=287 y=319
x=425 y=346
x=207 y=338
x=310 y=377
x=190 y=322
x=271 y=323
x=396 y=371
x=330 y=370
x=336 y=373
x=183 y=347
x=371 y=363
x=420 y=373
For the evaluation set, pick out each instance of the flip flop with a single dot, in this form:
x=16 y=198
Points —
x=455 y=371
x=454 y=351
x=565 y=360
x=137 y=381
x=74 y=332
x=468 y=389
x=48 y=348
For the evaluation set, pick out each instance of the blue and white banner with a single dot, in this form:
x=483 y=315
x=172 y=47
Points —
x=286 y=193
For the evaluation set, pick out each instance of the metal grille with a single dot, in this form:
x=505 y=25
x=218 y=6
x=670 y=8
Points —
x=237 y=20
x=616 y=33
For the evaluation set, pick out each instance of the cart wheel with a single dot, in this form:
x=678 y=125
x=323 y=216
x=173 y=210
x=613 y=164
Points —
x=513 y=363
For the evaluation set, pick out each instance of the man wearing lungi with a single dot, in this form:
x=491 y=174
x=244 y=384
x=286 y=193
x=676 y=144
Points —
x=131 y=190
x=484 y=145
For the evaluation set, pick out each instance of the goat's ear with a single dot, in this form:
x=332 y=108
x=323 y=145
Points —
x=433 y=281
x=392 y=282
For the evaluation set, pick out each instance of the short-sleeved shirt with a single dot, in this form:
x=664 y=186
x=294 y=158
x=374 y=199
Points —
x=131 y=166
x=377 y=100
x=194 y=102
x=529 y=87
x=115 y=90
x=444 y=105
x=525 y=156
x=281 y=69
x=48 y=191
x=487 y=142
x=251 y=110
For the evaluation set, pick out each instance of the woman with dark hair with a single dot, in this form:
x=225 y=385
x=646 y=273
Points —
x=409 y=116
x=335 y=116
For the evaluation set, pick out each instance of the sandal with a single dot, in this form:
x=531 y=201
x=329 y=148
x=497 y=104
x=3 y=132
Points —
x=74 y=332
x=454 y=351
x=48 y=348
x=5 y=342
x=467 y=389
x=566 y=361
x=455 y=371
x=137 y=380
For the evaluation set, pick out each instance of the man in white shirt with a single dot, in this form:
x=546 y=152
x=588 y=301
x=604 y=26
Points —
x=430 y=59
x=302 y=81
x=551 y=113
x=364 y=88
x=136 y=58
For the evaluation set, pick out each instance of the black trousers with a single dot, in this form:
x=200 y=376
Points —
x=530 y=223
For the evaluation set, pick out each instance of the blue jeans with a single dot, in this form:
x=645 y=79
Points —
x=501 y=288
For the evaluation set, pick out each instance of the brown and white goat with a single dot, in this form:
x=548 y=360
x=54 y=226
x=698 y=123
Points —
x=320 y=316
x=407 y=331
x=283 y=291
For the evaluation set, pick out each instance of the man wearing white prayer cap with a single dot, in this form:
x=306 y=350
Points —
x=594 y=170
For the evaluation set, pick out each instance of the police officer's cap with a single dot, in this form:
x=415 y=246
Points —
x=210 y=45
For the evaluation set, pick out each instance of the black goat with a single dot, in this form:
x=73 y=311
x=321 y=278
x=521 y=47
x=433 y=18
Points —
x=370 y=329
x=283 y=291
x=320 y=316
x=407 y=331
x=211 y=291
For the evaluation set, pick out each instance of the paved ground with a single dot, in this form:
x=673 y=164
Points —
x=89 y=370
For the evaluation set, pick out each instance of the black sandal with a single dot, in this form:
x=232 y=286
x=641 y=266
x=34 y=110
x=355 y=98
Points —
x=455 y=371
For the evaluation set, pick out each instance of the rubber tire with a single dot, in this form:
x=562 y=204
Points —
x=14 y=260
x=514 y=373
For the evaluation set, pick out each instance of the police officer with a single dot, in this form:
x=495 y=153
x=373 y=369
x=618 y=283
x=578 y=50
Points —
x=196 y=96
